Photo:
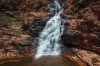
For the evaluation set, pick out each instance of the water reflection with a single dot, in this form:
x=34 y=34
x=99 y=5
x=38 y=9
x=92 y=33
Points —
x=43 y=61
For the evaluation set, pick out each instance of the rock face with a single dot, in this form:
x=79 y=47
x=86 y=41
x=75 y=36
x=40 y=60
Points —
x=20 y=40
x=81 y=30
x=87 y=57
x=18 y=47
x=84 y=25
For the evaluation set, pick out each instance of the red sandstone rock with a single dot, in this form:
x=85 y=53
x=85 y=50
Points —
x=85 y=29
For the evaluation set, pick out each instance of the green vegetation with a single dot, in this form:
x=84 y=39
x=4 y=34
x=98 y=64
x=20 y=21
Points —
x=3 y=19
x=1 y=43
x=13 y=22
x=76 y=15
x=9 y=22
x=2 y=61
x=1 y=15
x=15 y=25
x=98 y=2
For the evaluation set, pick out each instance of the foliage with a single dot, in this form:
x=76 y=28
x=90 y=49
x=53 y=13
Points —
x=3 y=19
x=76 y=15
x=13 y=22
x=1 y=41
x=98 y=2
x=6 y=21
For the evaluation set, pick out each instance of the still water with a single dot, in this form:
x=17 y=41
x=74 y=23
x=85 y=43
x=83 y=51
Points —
x=43 y=61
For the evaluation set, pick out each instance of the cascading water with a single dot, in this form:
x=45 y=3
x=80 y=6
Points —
x=49 y=39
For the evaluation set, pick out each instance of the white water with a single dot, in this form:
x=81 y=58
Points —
x=49 y=39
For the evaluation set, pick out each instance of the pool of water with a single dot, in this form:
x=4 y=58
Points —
x=43 y=61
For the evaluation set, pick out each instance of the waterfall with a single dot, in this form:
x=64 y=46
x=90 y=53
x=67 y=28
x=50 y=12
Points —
x=49 y=38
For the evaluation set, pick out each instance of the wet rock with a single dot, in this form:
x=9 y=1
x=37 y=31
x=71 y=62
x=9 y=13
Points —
x=37 y=26
x=88 y=57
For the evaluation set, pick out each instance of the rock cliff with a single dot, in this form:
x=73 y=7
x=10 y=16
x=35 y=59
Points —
x=84 y=24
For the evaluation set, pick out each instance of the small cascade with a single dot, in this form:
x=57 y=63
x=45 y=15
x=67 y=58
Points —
x=49 y=38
